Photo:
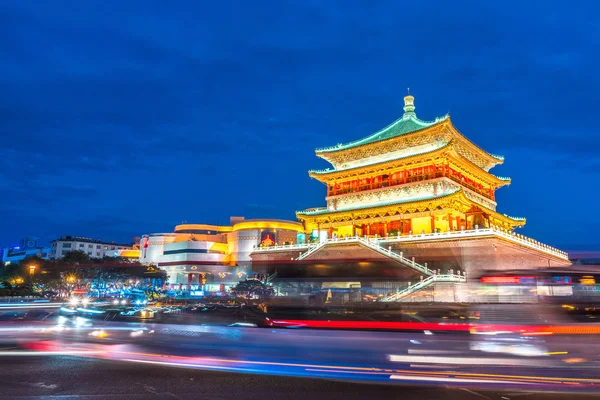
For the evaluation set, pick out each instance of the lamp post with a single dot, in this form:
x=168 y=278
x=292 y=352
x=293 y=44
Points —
x=31 y=272
x=70 y=279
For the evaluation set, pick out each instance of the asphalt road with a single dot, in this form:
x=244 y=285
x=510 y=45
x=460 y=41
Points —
x=64 y=377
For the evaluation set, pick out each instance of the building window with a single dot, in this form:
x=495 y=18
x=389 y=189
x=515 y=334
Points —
x=112 y=247
x=81 y=245
x=97 y=254
x=98 y=246
x=105 y=247
x=66 y=245
x=90 y=246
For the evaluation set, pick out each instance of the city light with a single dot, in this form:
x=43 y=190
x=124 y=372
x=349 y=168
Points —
x=402 y=269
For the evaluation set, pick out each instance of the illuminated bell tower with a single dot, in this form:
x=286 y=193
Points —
x=412 y=176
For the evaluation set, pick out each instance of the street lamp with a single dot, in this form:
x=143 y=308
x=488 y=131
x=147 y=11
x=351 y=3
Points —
x=31 y=272
x=70 y=279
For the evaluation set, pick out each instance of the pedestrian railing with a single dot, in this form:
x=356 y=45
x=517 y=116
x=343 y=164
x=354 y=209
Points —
x=449 y=235
x=423 y=284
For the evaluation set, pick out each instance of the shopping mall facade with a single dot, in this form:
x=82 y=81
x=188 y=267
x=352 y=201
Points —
x=202 y=259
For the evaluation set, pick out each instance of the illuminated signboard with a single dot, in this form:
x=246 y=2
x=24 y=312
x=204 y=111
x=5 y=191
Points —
x=267 y=238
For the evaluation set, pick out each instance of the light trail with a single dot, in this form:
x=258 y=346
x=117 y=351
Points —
x=8 y=306
x=396 y=375
x=110 y=352
x=468 y=360
x=473 y=328
x=50 y=353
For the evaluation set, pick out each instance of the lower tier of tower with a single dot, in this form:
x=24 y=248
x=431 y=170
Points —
x=467 y=251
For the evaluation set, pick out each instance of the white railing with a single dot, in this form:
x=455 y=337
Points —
x=424 y=283
x=284 y=247
x=372 y=243
x=312 y=249
x=376 y=245
x=510 y=236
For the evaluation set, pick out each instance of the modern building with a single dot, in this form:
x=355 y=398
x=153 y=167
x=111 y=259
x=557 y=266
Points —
x=211 y=258
x=95 y=248
x=28 y=247
x=416 y=194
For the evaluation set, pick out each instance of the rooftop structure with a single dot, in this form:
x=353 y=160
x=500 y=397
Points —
x=28 y=247
x=95 y=248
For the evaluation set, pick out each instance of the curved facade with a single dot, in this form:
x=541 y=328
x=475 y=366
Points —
x=209 y=258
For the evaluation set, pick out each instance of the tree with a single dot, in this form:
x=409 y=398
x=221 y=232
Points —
x=253 y=288
x=22 y=268
x=75 y=257
x=116 y=260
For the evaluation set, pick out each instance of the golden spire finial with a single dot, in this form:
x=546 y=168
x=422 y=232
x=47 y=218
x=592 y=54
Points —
x=409 y=105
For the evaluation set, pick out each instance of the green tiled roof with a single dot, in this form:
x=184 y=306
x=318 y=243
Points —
x=328 y=170
x=407 y=124
x=387 y=203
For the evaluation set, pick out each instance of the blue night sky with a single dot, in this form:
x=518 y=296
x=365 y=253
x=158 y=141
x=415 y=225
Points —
x=125 y=118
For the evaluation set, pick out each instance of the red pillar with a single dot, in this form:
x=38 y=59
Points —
x=353 y=229
x=432 y=224
x=369 y=230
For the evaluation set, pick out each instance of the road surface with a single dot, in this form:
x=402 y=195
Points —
x=64 y=377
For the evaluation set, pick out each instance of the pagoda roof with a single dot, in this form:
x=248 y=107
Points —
x=323 y=175
x=503 y=178
x=355 y=167
x=515 y=218
x=381 y=204
x=457 y=194
x=407 y=124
